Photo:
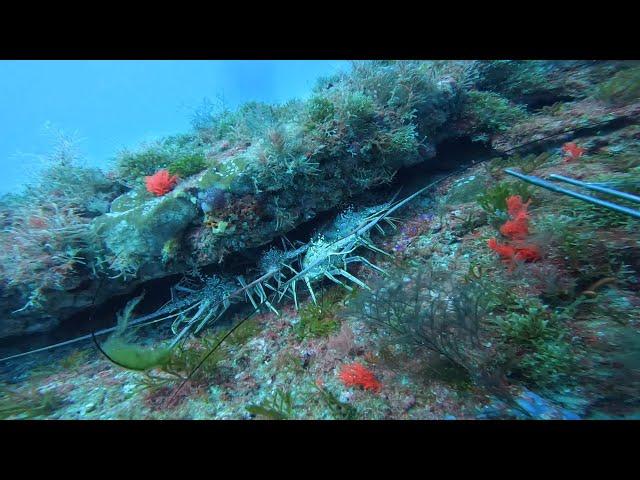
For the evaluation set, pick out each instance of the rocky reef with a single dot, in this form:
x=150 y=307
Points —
x=69 y=246
x=482 y=298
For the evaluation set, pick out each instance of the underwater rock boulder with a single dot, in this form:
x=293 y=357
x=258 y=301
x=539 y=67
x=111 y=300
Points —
x=16 y=325
x=136 y=231
x=134 y=236
x=467 y=189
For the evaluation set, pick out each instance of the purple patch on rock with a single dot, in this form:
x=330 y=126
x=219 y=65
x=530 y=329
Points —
x=213 y=199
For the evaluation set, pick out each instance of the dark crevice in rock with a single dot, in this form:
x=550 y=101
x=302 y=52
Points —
x=452 y=154
x=538 y=102
x=608 y=127
x=555 y=141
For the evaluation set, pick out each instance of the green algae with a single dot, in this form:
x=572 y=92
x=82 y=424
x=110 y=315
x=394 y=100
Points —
x=187 y=165
x=320 y=320
x=339 y=410
x=17 y=405
x=491 y=112
x=136 y=357
x=623 y=87
x=279 y=407
x=494 y=199
x=125 y=353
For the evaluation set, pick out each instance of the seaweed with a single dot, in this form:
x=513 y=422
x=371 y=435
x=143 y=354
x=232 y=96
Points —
x=427 y=309
x=495 y=198
x=279 y=407
x=320 y=320
x=244 y=333
x=621 y=88
x=187 y=165
x=490 y=112
x=339 y=410
x=124 y=353
x=14 y=404
x=188 y=362
x=527 y=163
x=534 y=344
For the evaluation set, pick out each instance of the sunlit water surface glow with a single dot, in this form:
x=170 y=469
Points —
x=109 y=105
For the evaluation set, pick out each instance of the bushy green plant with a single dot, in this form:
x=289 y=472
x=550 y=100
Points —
x=190 y=361
x=185 y=358
x=494 y=199
x=466 y=189
x=398 y=143
x=279 y=407
x=14 y=404
x=69 y=183
x=626 y=162
x=383 y=109
x=429 y=310
x=516 y=79
x=180 y=154
x=242 y=334
x=339 y=410
x=254 y=119
x=524 y=328
x=359 y=107
x=187 y=165
x=133 y=165
x=491 y=112
x=45 y=241
x=549 y=363
x=502 y=293
x=75 y=359
x=580 y=240
x=526 y=164
x=320 y=109
x=598 y=217
x=621 y=88
x=411 y=89
x=320 y=320
x=537 y=342
x=45 y=246
x=628 y=182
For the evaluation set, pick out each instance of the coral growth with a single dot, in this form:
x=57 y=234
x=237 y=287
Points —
x=573 y=151
x=160 y=182
x=357 y=375
x=518 y=227
x=510 y=253
x=517 y=230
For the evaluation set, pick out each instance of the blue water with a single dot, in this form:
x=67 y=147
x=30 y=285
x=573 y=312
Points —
x=108 y=105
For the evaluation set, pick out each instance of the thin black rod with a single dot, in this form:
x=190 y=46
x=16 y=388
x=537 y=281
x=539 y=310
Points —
x=215 y=347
